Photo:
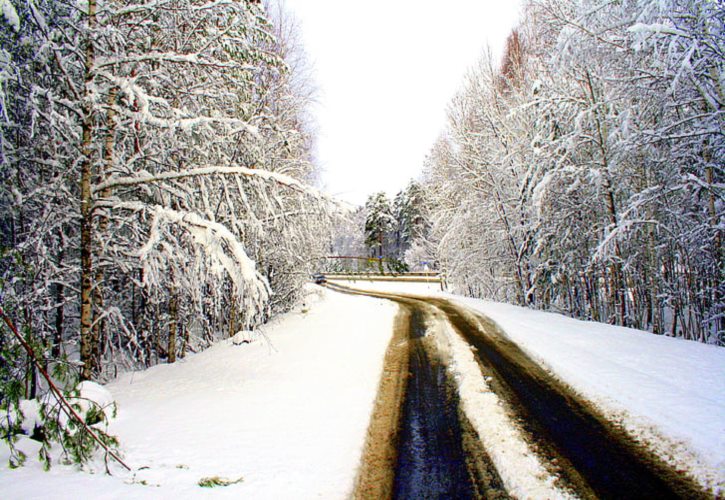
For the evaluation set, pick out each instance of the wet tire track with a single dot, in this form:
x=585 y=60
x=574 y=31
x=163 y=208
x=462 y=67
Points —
x=376 y=474
x=437 y=453
x=431 y=461
x=595 y=458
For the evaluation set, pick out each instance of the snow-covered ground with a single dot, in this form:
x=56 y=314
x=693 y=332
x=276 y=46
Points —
x=412 y=287
x=287 y=412
x=668 y=392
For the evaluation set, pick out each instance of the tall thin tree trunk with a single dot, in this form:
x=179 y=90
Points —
x=87 y=207
x=56 y=350
x=185 y=341
x=31 y=380
x=616 y=277
x=233 y=316
x=717 y=300
x=173 y=319
x=617 y=274
x=99 y=323
x=142 y=321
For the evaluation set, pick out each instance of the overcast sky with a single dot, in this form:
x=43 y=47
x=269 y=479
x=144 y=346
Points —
x=386 y=71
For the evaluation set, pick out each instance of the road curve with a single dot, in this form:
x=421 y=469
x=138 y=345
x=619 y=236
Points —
x=593 y=458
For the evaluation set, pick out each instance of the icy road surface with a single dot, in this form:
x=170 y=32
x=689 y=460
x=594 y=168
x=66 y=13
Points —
x=669 y=394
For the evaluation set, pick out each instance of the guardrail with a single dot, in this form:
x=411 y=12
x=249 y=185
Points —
x=346 y=264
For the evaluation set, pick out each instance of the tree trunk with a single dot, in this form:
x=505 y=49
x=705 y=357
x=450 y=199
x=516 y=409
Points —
x=99 y=323
x=616 y=278
x=617 y=287
x=173 y=317
x=233 y=316
x=185 y=341
x=31 y=383
x=87 y=207
x=173 y=325
x=717 y=299
x=56 y=350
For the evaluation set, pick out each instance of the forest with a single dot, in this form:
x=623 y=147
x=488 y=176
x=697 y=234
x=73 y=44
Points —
x=160 y=185
x=157 y=180
x=584 y=173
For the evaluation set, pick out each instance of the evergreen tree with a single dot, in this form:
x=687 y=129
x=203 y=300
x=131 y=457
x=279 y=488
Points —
x=379 y=223
x=410 y=218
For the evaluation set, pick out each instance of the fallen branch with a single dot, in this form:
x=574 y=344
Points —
x=65 y=405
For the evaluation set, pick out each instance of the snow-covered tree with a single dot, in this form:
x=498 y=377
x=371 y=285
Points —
x=379 y=224
x=158 y=160
x=584 y=173
x=410 y=221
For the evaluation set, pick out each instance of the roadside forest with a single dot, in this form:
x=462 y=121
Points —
x=156 y=164
x=157 y=167
x=584 y=172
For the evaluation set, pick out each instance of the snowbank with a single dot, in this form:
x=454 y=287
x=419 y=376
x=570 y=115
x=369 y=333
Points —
x=286 y=412
x=92 y=396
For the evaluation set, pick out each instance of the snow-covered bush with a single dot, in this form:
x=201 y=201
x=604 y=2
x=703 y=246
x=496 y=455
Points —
x=60 y=435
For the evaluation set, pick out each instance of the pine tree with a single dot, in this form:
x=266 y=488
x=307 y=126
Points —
x=410 y=216
x=379 y=223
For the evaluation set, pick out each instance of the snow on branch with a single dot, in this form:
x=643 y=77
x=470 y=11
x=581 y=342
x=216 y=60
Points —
x=10 y=15
x=605 y=249
x=195 y=59
x=656 y=29
x=136 y=8
x=218 y=243
x=266 y=175
x=136 y=93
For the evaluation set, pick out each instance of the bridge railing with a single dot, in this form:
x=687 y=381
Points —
x=343 y=264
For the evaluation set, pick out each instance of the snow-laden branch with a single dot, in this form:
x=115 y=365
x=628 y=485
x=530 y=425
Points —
x=143 y=100
x=146 y=178
x=137 y=8
x=155 y=5
x=657 y=29
x=217 y=242
x=605 y=249
x=159 y=57
x=42 y=25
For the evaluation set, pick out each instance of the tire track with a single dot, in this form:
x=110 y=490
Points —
x=593 y=458
x=420 y=443
x=432 y=460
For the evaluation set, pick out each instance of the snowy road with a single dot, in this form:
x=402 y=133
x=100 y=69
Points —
x=432 y=460
x=588 y=456
x=432 y=449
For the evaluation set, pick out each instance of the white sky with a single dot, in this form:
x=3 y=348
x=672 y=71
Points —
x=386 y=70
